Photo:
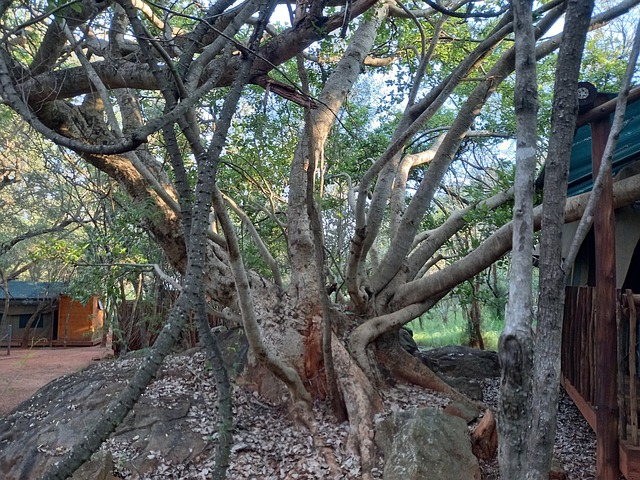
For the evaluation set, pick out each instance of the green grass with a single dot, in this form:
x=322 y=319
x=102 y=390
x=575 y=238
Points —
x=434 y=331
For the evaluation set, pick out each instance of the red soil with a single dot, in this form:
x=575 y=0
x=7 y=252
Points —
x=26 y=370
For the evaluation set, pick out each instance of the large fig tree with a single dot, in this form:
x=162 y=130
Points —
x=320 y=248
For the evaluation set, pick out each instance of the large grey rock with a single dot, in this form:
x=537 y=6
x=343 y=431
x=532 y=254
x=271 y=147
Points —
x=426 y=444
x=44 y=427
x=99 y=467
x=461 y=361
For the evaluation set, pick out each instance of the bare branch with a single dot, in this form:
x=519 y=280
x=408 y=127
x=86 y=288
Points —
x=262 y=248
x=9 y=244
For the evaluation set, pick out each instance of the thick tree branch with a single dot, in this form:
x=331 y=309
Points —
x=496 y=245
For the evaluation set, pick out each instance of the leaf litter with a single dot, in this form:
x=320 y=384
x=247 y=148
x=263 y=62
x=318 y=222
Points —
x=268 y=445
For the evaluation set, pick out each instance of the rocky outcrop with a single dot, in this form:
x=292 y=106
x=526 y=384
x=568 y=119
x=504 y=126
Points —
x=44 y=427
x=460 y=361
x=463 y=368
x=426 y=443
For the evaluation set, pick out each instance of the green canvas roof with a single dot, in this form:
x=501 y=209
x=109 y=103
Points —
x=32 y=290
x=627 y=151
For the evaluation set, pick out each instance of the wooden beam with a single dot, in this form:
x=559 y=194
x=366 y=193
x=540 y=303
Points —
x=607 y=454
x=630 y=461
x=585 y=408
x=602 y=111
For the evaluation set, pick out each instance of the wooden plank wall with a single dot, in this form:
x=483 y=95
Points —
x=578 y=367
x=578 y=342
x=80 y=324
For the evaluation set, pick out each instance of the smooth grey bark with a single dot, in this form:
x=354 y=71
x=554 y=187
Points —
x=433 y=286
x=516 y=341
x=421 y=200
x=368 y=223
x=191 y=296
x=311 y=147
x=546 y=372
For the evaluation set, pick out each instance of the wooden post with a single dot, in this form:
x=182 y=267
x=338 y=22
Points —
x=622 y=409
x=607 y=462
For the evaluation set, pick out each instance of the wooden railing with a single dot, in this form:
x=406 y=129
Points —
x=579 y=355
x=578 y=341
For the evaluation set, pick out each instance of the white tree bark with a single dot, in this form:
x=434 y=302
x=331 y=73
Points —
x=516 y=340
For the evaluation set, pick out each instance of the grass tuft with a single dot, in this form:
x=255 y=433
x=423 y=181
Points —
x=433 y=331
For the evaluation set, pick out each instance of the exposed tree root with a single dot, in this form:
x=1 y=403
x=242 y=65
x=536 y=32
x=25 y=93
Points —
x=362 y=401
x=484 y=437
x=329 y=455
x=405 y=366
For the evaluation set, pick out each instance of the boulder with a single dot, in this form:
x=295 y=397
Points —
x=461 y=361
x=165 y=420
x=426 y=443
x=462 y=410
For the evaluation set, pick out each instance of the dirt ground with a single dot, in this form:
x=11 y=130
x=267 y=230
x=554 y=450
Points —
x=26 y=370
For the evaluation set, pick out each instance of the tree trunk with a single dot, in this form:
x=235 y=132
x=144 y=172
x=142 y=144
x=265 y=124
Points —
x=546 y=373
x=516 y=343
x=474 y=317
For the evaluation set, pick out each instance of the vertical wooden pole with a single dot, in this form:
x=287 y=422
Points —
x=633 y=371
x=622 y=409
x=607 y=462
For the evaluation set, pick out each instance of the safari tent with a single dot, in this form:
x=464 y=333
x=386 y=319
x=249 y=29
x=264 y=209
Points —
x=600 y=329
x=42 y=314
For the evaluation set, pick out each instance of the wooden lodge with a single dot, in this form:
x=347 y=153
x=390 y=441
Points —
x=602 y=303
x=41 y=314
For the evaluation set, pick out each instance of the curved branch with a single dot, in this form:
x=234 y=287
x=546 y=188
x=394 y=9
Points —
x=404 y=235
x=414 y=117
x=262 y=248
x=416 y=297
x=440 y=235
